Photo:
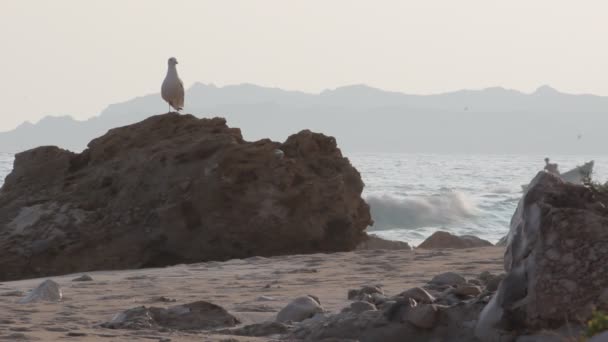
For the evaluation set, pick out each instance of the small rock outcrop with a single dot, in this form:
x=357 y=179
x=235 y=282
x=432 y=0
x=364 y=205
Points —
x=418 y=294
x=375 y=242
x=199 y=315
x=556 y=260
x=176 y=189
x=47 y=291
x=84 y=277
x=300 y=309
x=441 y=239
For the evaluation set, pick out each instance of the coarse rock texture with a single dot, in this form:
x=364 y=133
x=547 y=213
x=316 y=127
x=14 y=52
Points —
x=299 y=309
x=418 y=294
x=199 y=315
x=176 y=189
x=448 y=278
x=441 y=239
x=556 y=260
x=47 y=291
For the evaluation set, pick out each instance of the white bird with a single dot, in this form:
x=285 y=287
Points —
x=172 y=89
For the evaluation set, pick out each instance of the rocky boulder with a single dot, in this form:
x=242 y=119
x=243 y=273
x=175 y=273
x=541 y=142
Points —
x=47 y=291
x=176 y=189
x=376 y=242
x=441 y=239
x=556 y=260
x=300 y=309
x=199 y=315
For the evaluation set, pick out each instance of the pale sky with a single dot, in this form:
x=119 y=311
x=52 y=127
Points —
x=75 y=57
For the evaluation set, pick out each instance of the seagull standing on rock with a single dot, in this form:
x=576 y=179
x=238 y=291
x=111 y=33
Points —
x=172 y=89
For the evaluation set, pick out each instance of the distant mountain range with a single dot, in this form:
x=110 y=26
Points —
x=365 y=119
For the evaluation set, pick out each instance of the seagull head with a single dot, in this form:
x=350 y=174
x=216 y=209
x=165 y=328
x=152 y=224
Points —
x=172 y=61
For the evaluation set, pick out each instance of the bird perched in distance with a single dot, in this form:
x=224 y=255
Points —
x=172 y=89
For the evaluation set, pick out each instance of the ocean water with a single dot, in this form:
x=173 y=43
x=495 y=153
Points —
x=413 y=195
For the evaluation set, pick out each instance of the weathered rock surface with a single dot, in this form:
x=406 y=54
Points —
x=368 y=326
x=364 y=293
x=84 y=277
x=375 y=242
x=300 y=309
x=556 y=260
x=418 y=294
x=491 y=281
x=360 y=306
x=422 y=315
x=448 y=278
x=441 y=239
x=47 y=291
x=176 y=189
x=199 y=315
x=466 y=290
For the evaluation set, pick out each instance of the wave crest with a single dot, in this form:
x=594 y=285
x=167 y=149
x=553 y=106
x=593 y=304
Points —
x=389 y=212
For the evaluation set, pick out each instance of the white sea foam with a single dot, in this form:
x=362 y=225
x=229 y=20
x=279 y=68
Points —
x=446 y=207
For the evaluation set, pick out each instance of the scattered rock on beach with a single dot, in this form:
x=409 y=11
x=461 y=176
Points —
x=361 y=306
x=418 y=294
x=199 y=315
x=368 y=326
x=84 y=277
x=47 y=291
x=300 y=309
x=441 y=239
x=448 y=278
x=422 y=315
x=465 y=290
x=364 y=293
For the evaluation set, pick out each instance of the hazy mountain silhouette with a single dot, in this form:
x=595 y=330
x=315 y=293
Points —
x=493 y=120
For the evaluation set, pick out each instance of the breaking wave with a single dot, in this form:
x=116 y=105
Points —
x=445 y=208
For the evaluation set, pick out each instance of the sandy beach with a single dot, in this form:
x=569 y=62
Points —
x=253 y=290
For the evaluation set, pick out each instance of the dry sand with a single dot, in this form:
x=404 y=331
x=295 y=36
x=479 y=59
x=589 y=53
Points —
x=235 y=284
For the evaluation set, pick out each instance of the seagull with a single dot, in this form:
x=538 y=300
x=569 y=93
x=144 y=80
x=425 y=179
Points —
x=172 y=89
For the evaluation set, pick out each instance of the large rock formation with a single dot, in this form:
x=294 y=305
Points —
x=176 y=189
x=556 y=260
